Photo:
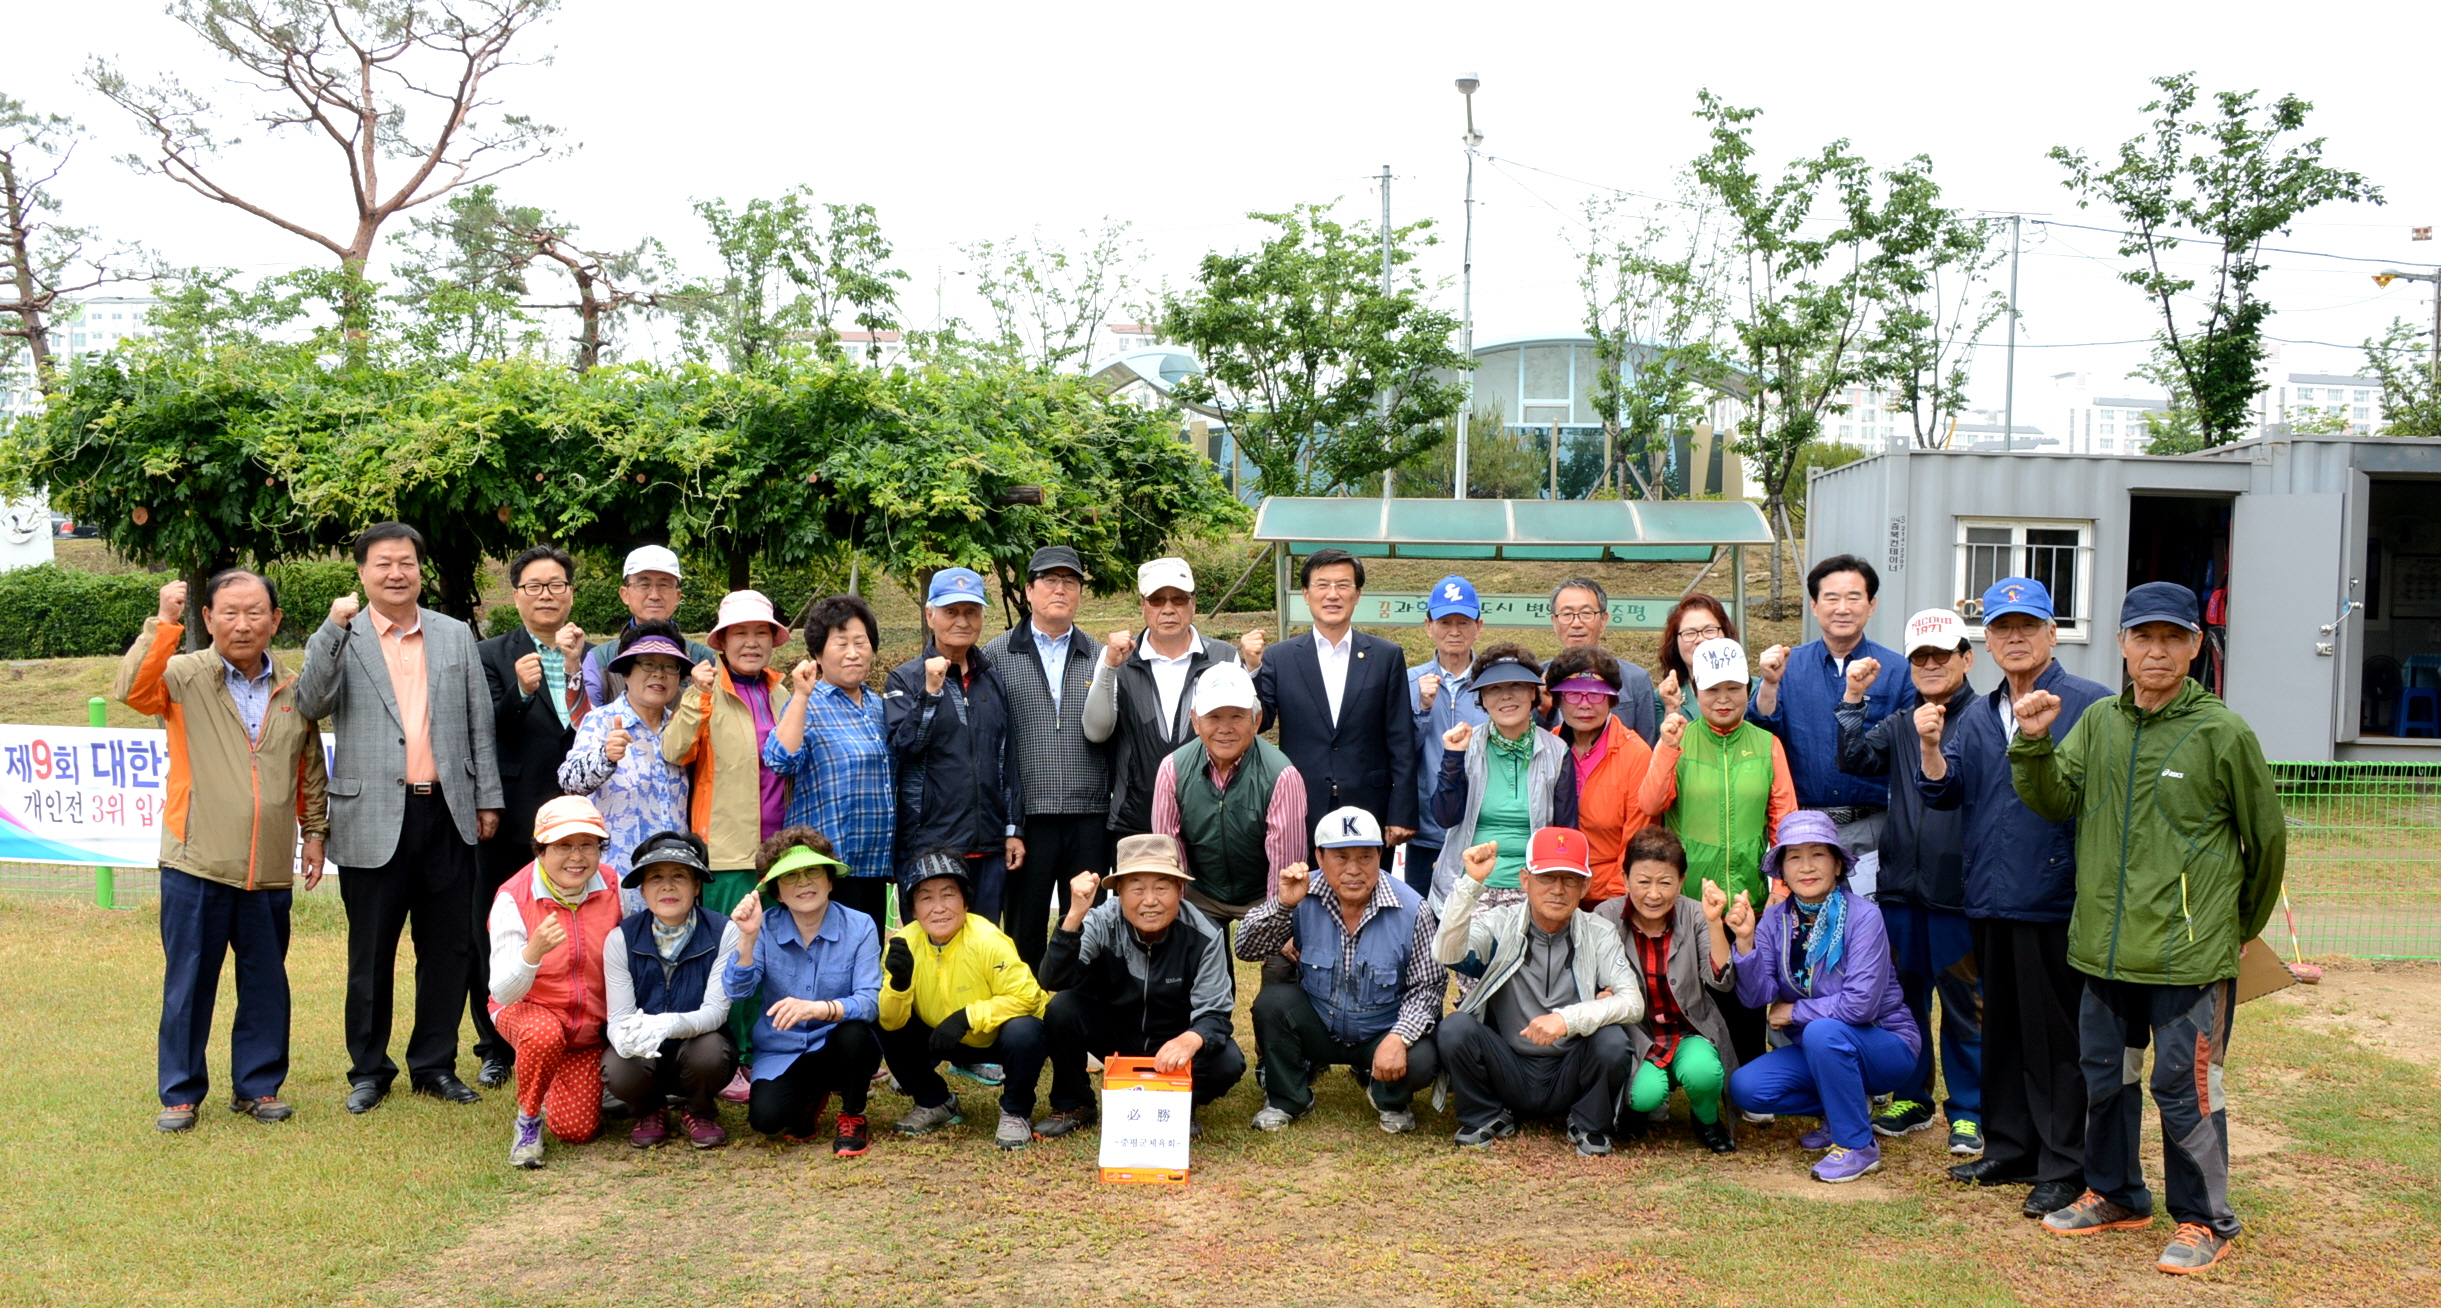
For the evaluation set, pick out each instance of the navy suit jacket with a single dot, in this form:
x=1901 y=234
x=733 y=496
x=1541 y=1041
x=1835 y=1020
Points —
x=1368 y=758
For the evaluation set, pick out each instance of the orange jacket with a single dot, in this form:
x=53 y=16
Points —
x=1607 y=806
x=724 y=764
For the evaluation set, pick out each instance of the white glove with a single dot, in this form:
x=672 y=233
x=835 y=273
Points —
x=637 y=1036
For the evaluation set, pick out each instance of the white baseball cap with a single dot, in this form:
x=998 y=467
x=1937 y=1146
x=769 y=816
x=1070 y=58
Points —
x=1347 y=828
x=1153 y=576
x=651 y=558
x=1938 y=629
x=1717 y=660
x=1225 y=685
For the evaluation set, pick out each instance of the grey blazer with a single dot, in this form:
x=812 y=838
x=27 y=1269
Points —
x=347 y=684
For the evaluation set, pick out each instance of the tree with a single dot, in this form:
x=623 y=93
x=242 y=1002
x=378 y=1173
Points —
x=608 y=283
x=379 y=81
x=1047 y=304
x=41 y=259
x=1324 y=380
x=1935 y=302
x=2236 y=179
x=465 y=278
x=789 y=270
x=2411 y=386
x=1654 y=306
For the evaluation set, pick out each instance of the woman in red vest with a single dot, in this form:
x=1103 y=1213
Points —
x=547 y=927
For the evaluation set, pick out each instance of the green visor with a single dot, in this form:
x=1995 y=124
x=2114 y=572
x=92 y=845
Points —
x=795 y=860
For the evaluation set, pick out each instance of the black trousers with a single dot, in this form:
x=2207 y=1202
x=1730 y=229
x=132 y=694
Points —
x=495 y=862
x=1058 y=846
x=1019 y=1045
x=2188 y=1028
x=692 y=1071
x=790 y=1103
x=1490 y=1077
x=1748 y=1031
x=1293 y=1045
x=1080 y=1027
x=424 y=889
x=2033 y=1086
x=1420 y=862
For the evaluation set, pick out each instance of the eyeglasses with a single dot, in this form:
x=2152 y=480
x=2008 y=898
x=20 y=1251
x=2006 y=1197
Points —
x=538 y=589
x=1336 y=586
x=1058 y=581
x=1931 y=658
x=1576 y=615
x=1585 y=698
x=1700 y=633
x=653 y=587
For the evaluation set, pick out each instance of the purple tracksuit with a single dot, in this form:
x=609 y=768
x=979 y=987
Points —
x=1851 y=1037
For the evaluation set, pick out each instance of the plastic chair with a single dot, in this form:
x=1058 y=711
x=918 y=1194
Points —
x=2419 y=712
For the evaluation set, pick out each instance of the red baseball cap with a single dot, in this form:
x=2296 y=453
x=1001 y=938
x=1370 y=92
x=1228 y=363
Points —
x=1559 y=849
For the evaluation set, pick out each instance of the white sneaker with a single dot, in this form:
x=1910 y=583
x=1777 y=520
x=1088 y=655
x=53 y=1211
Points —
x=1398 y=1123
x=1273 y=1119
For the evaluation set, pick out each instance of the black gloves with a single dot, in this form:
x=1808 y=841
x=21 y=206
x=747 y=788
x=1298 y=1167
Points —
x=946 y=1036
x=899 y=962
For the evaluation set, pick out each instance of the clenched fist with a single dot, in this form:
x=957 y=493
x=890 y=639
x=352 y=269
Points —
x=173 y=602
x=1773 y=663
x=614 y=745
x=1428 y=686
x=1081 y=889
x=704 y=674
x=1295 y=880
x=550 y=934
x=1929 y=718
x=802 y=677
x=571 y=643
x=1456 y=737
x=1479 y=860
x=1250 y=649
x=1716 y=902
x=936 y=674
x=2036 y=711
x=529 y=673
x=1674 y=730
x=1122 y=644
x=1861 y=673
x=1671 y=700
x=1739 y=918
x=344 y=609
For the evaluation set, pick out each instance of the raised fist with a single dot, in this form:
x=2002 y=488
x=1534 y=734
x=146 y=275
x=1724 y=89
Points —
x=1456 y=737
x=1773 y=663
x=1122 y=644
x=1928 y=723
x=173 y=602
x=1674 y=730
x=1479 y=860
x=2036 y=711
x=1295 y=880
x=1671 y=700
x=344 y=609
x=529 y=673
x=1716 y=903
x=748 y=915
x=614 y=746
x=936 y=674
x=1739 y=918
x=1081 y=888
x=704 y=675
x=1428 y=686
x=802 y=677
x=571 y=643
x=1250 y=649
x=548 y=935
x=1861 y=673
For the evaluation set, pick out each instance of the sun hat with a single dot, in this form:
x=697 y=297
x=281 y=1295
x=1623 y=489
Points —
x=668 y=849
x=1158 y=573
x=933 y=866
x=2016 y=595
x=1508 y=669
x=1347 y=828
x=1807 y=826
x=800 y=859
x=1452 y=594
x=743 y=606
x=955 y=586
x=2159 y=601
x=650 y=558
x=1559 y=849
x=1148 y=852
x=1717 y=660
x=1225 y=685
x=643 y=645
x=1938 y=629
x=568 y=815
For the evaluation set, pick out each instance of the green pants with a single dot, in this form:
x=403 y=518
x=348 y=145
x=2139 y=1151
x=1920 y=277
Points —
x=1695 y=1068
x=721 y=894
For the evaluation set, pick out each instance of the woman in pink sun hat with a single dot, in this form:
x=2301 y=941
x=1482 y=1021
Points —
x=548 y=999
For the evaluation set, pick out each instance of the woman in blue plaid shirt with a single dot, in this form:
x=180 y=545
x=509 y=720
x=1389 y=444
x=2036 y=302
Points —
x=831 y=745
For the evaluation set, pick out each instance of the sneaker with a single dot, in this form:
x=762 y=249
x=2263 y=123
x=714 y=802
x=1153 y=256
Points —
x=1481 y=1137
x=1818 y=1138
x=1966 y=1137
x=2193 y=1249
x=1014 y=1131
x=1195 y=1126
x=1715 y=1137
x=1066 y=1121
x=921 y=1120
x=176 y=1118
x=2091 y=1213
x=652 y=1131
x=1398 y=1123
x=1902 y=1117
x=269 y=1108
x=1589 y=1144
x=980 y=1073
x=853 y=1139
x=812 y=1126
x=1755 y=1119
x=525 y=1142
x=1276 y=1119
x=1843 y=1164
x=703 y=1132
x=740 y=1087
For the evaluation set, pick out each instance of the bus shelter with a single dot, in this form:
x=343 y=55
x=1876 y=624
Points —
x=1588 y=531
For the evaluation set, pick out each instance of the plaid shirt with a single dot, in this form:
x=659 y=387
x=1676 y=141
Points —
x=1661 y=1009
x=841 y=781
x=1423 y=986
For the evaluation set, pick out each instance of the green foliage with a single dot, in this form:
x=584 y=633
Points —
x=465 y=278
x=1047 y=303
x=2411 y=386
x=2238 y=179
x=55 y=613
x=1655 y=301
x=1324 y=380
x=1500 y=464
x=306 y=589
x=791 y=269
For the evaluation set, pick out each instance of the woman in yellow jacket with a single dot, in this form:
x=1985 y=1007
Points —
x=954 y=990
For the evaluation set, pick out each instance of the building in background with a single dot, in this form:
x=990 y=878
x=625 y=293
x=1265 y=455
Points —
x=1540 y=391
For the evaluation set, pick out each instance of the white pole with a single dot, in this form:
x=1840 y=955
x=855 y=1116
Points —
x=2008 y=403
x=1466 y=288
x=1389 y=476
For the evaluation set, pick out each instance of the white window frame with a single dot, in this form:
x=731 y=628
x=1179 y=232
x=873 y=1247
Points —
x=2077 y=607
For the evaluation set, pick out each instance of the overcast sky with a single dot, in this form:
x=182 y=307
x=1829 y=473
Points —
x=963 y=121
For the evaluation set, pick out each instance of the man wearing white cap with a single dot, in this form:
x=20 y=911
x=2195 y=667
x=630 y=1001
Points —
x=648 y=586
x=1141 y=701
x=1921 y=889
x=1233 y=800
x=1368 y=990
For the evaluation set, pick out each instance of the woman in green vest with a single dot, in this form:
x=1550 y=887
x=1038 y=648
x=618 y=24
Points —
x=1503 y=781
x=1723 y=787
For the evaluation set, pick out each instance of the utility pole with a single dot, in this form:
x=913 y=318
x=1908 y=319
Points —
x=1389 y=475
x=2389 y=275
x=1467 y=82
x=2008 y=402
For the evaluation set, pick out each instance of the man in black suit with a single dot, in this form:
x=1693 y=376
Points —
x=1340 y=699
x=537 y=680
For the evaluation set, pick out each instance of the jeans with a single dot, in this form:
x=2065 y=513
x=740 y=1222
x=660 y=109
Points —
x=1491 y=1078
x=1019 y=1045
x=1294 y=1045
x=1832 y=1072
x=203 y=922
x=2188 y=1028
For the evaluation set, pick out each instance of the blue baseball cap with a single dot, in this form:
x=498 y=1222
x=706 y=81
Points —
x=2159 y=601
x=1453 y=595
x=2016 y=595
x=955 y=586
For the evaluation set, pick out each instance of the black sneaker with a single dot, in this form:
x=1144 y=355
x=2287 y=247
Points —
x=1715 y=1137
x=1901 y=1117
x=1066 y=1121
x=1589 y=1144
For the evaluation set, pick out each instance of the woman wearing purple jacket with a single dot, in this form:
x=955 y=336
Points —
x=1819 y=965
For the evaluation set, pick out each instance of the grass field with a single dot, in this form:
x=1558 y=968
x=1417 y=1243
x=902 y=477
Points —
x=2339 y=1179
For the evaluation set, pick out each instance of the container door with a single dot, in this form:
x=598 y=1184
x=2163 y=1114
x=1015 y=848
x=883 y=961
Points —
x=2287 y=584
x=2348 y=627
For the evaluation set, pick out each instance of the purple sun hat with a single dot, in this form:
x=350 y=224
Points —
x=1807 y=827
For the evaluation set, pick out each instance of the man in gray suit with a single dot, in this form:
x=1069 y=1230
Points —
x=414 y=784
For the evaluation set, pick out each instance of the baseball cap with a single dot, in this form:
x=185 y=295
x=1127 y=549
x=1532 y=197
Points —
x=1559 y=849
x=2160 y=601
x=668 y=848
x=1153 y=576
x=1938 y=629
x=1502 y=671
x=568 y=815
x=650 y=558
x=1717 y=660
x=1224 y=685
x=1056 y=556
x=1147 y=852
x=2016 y=595
x=1347 y=828
x=955 y=586
x=743 y=606
x=1452 y=595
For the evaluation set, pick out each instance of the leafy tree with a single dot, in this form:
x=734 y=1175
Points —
x=1654 y=304
x=1500 y=464
x=1325 y=381
x=1048 y=304
x=1934 y=302
x=42 y=259
x=2236 y=175
x=2173 y=430
x=791 y=269
x=465 y=278
x=2411 y=387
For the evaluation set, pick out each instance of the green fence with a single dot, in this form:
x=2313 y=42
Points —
x=2364 y=862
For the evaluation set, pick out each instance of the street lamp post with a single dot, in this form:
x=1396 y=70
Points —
x=2387 y=276
x=1467 y=82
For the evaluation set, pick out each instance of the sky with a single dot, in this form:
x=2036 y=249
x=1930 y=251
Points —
x=978 y=121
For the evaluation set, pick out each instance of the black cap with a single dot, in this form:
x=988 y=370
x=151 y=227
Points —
x=681 y=848
x=1051 y=557
x=932 y=866
x=2160 y=601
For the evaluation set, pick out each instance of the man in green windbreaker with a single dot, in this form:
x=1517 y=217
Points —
x=2180 y=847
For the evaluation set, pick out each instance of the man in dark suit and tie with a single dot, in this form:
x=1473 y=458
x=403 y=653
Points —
x=1340 y=699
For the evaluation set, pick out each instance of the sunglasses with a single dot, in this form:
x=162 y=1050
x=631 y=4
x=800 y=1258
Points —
x=1585 y=698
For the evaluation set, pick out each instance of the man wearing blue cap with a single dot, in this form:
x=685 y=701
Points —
x=2179 y=865
x=948 y=718
x=1436 y=690
x=2020 y=884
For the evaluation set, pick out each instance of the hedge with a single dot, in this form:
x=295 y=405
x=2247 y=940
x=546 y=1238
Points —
x=55 y=612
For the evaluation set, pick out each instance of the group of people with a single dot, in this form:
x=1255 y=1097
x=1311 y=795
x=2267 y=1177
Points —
x=661 y=872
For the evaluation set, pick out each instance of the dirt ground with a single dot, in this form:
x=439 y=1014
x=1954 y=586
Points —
x=2391 y=1007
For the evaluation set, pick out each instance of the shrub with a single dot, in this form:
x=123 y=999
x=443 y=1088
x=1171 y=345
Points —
x=55 y=613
